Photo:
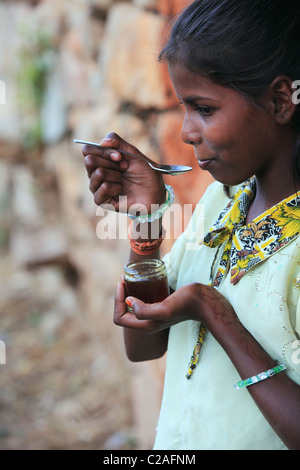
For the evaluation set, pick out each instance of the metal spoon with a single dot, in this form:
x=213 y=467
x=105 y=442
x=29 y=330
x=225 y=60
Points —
x=168 y=169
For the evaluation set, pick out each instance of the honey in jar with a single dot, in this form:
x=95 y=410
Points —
x=147 y=280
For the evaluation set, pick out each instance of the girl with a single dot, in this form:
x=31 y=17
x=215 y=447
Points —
x=233 y=316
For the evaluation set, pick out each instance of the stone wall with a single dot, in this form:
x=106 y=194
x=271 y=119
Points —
x=66 y=381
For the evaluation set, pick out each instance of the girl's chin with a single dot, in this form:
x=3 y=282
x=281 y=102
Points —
x=229 y=181
x=221 y=173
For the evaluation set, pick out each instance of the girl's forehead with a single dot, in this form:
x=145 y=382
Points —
x=188 y=82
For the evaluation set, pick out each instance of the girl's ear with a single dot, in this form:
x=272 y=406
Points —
x=280 y=96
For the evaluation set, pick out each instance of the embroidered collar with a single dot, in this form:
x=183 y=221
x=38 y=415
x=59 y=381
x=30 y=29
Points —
x=247 y=245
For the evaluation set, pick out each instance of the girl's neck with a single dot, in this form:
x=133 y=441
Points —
x=269 y=194
x=276 y=181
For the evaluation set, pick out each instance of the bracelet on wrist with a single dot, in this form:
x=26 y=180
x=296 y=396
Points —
x=144 y=248
x=142 y=219
x=259 y=377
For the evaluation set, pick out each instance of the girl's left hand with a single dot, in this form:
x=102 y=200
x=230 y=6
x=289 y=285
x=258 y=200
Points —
x=192 y=302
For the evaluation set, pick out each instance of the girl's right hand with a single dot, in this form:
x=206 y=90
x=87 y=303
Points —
x=114 y=176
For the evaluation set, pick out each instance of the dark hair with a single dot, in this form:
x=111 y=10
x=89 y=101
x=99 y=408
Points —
x=240 y=44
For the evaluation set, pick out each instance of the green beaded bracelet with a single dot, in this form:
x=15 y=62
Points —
x=159 y=213
x=260 y=377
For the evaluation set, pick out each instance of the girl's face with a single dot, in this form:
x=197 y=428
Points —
x=233 y=139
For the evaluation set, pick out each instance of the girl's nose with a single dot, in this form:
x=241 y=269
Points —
x=190 y=133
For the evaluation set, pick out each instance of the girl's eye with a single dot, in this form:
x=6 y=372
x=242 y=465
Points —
x=204 y=110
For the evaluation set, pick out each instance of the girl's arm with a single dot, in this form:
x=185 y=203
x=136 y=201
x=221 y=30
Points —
x=277 y=397
x=144 y=346
x=140 y=345
x=122 y=182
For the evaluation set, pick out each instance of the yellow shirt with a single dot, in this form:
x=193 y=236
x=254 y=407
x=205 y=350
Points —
x=259 y=273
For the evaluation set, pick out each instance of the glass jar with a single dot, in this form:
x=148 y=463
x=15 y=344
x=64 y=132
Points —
x=147 y=280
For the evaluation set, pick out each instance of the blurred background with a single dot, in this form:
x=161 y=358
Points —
x=76 y=69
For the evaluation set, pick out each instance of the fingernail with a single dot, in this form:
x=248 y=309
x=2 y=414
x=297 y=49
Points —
x=105 y=140
x=129 y=302
x=114 y=155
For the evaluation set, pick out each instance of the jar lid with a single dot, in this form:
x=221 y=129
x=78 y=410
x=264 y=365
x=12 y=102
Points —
x=144 y=267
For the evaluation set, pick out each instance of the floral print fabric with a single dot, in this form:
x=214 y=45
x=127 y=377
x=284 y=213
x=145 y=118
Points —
x=247 y=245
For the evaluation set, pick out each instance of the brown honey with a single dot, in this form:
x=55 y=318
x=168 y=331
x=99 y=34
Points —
x=146 y=280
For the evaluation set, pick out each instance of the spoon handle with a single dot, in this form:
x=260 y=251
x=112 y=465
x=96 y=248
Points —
x=108 y=148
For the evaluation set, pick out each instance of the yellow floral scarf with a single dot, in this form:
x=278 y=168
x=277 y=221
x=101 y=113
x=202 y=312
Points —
x=247 y=245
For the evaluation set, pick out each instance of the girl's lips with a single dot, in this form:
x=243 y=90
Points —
x=204 y=164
